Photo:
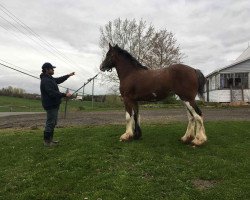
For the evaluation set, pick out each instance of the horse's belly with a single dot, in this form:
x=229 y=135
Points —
x=152 y=96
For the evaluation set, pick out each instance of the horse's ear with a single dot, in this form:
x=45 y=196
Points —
x=116 y=45
x=110 y=47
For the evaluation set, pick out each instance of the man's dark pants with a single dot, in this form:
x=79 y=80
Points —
x=51 y=122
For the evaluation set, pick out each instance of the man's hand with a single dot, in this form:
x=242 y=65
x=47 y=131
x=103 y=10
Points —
x=68 y=94
x=71 y=96
x=72 y=74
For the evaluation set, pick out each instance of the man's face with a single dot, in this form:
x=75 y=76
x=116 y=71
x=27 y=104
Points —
x=50 y=71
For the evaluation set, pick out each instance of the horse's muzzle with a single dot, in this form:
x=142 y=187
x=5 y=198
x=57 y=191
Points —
x=102 y=68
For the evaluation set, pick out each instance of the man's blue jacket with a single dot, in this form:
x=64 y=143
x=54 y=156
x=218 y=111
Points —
x=51 y=96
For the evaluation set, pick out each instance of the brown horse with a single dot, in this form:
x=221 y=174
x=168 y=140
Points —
x=138 y=83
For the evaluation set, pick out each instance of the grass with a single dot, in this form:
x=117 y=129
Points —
x=16 y=104
x=91 y=163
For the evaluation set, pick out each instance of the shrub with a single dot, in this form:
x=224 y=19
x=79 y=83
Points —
x=113 y=101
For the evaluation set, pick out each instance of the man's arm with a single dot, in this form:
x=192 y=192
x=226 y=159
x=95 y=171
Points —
x=49 y=89
x=63 y=78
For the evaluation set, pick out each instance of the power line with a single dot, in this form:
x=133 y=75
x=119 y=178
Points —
x=16 y=66
x=12 y=68
x=19 y=71
x=19 y=39
x=17 y=35
x=29 y=30
x=33 y=34
x=26 y=27
x=29 y=37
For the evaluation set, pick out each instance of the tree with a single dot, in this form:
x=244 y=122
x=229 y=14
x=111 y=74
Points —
x=154 y=49
x=12 y=91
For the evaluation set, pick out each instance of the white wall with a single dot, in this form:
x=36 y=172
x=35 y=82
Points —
x=247 y=95
x=224 y=95
x=218 y=96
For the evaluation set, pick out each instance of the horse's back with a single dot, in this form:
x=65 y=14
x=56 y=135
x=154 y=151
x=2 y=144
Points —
x=181 y=68
x=157 y=84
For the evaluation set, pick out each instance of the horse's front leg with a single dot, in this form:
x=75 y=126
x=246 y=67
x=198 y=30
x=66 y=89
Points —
x=129 y=120
x=137 y=129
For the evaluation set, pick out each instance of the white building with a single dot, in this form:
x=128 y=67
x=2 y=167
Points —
x=231 y=83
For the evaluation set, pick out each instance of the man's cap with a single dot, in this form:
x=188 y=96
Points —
x=47 y=66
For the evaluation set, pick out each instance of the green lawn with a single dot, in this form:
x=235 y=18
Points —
x=91 y=163
x=16 y=104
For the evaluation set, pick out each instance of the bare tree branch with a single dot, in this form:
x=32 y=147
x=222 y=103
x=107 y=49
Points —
x=154 y=49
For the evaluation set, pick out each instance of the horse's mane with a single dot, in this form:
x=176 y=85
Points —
x=130 y=57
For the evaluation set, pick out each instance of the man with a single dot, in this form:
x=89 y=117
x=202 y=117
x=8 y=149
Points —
x=51 y=100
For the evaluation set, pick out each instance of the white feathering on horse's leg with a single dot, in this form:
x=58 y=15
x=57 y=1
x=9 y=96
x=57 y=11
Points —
x=190 y=132
x=200 y=136
x=129 y=128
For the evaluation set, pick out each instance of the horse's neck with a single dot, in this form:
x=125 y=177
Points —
x=124 y=68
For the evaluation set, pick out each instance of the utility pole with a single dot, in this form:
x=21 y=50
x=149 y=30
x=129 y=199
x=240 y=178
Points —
x=93 y=92
x=83 y=91
x=93 y=84
x=66 y=104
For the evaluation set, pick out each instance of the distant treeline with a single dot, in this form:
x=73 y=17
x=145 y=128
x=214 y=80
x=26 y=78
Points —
x=18 y=92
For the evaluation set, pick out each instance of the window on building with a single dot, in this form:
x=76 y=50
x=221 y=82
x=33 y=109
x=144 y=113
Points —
x=236 y=80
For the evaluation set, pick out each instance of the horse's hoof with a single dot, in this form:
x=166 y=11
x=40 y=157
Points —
x=137 y=137
x=187 y=140
x=126 y=137
x=197 y=142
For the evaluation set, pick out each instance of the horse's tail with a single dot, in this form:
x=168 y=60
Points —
x=201 y=82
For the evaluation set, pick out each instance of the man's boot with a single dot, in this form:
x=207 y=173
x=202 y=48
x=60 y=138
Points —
x=47 y=139
x=47 y=143
x=51 y=139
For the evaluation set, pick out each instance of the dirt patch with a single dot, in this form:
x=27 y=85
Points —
x=204 y=184
x=118 y=117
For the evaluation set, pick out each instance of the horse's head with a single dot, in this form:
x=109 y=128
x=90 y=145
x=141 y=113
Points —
x=108 y=62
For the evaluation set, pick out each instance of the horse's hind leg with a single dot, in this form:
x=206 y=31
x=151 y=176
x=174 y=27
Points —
x=129 y=121
x=190 y=132
x=200 y=136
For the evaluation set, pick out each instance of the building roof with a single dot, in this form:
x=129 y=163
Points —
x=243 y=57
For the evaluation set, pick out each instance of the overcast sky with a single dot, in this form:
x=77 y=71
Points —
x=210 y=33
